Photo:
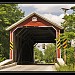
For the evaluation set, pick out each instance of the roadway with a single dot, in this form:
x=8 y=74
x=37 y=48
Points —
x=30 y=68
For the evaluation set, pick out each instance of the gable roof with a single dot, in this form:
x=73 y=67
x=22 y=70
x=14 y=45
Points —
x=25 y=18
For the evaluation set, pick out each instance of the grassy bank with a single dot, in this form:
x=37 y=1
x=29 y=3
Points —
x=70 y=67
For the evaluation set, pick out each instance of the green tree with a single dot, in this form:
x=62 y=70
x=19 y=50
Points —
x=50 y=53
x=9 y=14
x=69 y=25
x=38 y=54
x=69 y=34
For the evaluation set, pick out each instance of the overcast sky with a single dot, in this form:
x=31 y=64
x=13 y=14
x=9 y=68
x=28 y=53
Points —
x=50 y=11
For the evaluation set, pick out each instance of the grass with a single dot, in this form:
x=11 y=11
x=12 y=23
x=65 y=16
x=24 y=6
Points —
x=70 y=67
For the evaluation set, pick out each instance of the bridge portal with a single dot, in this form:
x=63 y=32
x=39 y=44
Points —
x=28 y=31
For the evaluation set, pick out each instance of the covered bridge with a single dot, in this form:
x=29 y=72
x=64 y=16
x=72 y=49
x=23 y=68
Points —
x=29 y=30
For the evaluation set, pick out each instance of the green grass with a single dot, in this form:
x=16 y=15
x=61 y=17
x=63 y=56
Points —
x=70 y=67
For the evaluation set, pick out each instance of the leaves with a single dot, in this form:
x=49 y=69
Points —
x=50 y=53
x=69 y=34
x=38 y=54
x=9 y=14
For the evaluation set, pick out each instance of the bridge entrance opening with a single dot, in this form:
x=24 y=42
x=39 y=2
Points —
x=24 y=40
x=45 y=53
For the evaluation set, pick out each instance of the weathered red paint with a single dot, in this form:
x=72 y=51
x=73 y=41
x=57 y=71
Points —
x=39 y=22
x=58 y=50
x=11 y=40
x=10 y=54
x=58 y=53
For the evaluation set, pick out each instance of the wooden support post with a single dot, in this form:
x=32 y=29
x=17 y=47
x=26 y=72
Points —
x=11 y=45
x=64 y=46
x=58 y=45
x=65 y=55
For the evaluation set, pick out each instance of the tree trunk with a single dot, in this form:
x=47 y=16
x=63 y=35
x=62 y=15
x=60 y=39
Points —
x=65 y=55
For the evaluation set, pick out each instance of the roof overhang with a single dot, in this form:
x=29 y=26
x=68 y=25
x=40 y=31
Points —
x=25 y=18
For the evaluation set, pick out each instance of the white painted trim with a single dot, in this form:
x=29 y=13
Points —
x=17 y=28
x=48 y=26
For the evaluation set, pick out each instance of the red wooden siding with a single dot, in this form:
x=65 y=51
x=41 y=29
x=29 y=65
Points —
x=39 y=22
x=58 y=53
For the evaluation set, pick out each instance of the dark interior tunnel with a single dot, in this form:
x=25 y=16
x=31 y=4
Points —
x=26 y=37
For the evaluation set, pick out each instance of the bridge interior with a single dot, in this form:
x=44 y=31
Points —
x=26 y=37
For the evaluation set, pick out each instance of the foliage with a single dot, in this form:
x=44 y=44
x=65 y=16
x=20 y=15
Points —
x=69 y=68
x=69 y=34
x=38 y=55
x=2 y=58
x=49 y=53
x=9 y=14
x=69 y=25
x=69 y=55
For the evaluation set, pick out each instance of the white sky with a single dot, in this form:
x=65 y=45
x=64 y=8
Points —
x=50 y=11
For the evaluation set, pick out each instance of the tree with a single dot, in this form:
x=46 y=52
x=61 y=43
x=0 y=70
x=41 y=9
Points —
x=73 y=8
x=69 y=34
x=9 y=14
x=49 y=53
x=69 y=26
x=38 y=54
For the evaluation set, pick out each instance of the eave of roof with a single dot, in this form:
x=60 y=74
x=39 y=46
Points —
x=25 y=18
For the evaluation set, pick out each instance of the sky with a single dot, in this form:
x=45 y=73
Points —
x=51 y=11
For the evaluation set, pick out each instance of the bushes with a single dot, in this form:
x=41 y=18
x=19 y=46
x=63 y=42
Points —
x=2 y=58
x=69 y=67
x=69 y=55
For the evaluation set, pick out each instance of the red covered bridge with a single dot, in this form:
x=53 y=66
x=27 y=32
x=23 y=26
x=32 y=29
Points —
x=30 y=30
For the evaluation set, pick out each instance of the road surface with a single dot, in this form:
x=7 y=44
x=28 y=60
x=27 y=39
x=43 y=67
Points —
x=30 y=68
